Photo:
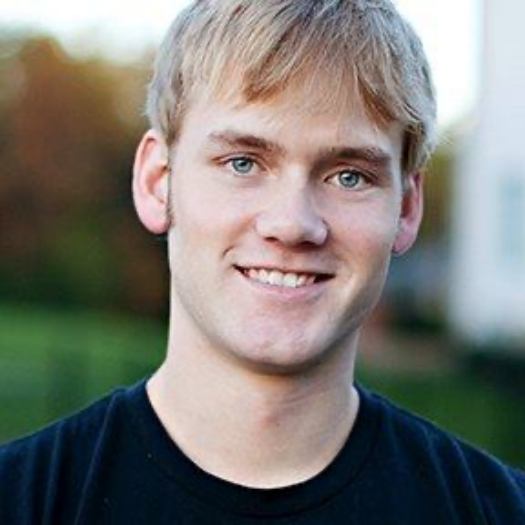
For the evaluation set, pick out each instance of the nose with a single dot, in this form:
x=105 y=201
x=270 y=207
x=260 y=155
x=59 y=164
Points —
x=292 y=219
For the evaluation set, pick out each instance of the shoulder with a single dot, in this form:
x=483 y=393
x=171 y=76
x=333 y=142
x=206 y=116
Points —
x=437 y=457
x=57 y=458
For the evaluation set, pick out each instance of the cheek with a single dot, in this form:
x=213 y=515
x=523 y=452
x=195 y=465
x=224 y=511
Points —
x=366 y=232
x=207 y=221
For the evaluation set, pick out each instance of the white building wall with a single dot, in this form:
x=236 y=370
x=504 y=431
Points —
x=488 y=257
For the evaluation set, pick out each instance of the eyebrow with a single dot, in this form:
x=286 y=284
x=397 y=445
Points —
x=373 y=155
x=325 y=156
x=235 y=139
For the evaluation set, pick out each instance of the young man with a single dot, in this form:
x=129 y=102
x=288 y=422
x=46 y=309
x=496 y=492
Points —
x=284 y=162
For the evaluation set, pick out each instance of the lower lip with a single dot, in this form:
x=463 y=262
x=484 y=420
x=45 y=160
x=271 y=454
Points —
x=302 y=293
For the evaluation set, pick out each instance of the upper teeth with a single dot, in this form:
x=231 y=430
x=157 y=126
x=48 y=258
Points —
x=277 y=278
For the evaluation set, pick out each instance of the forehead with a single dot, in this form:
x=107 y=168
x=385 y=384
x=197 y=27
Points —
x=294 y=119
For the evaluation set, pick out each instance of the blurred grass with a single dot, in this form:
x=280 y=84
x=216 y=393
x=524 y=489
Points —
x=480 y=412
x=54 y=362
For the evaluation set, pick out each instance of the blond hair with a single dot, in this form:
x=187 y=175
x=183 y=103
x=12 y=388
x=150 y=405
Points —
x=334 y=48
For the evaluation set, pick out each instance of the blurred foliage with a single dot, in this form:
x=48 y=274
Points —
x=438 y=193
x=68 y=131
x=416 y=292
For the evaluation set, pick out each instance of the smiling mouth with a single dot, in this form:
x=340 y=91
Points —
x=280 y=278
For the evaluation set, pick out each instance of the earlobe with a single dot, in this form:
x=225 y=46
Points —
x=150 y=183
x=411 y=213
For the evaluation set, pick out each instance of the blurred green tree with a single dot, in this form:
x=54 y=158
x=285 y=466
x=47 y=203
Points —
x=68 y=130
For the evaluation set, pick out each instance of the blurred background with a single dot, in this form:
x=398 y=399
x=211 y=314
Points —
x=84 y=289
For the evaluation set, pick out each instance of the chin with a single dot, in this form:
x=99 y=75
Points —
x=287 y=357
x=278 y=366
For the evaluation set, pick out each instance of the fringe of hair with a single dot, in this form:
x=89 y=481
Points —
x=332 y=50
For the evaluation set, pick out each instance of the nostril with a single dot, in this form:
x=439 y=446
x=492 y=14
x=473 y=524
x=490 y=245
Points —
x=292 y=225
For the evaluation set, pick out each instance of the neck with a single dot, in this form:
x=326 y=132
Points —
x=251 y=428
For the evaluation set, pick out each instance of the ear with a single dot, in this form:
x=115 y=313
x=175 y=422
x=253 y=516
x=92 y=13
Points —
x=411 y=213
x=150 y=182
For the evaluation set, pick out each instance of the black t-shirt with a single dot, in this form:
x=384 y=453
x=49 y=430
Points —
x=114 y=463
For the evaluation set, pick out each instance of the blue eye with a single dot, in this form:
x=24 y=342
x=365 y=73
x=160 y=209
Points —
x=242 y=165
x=349 y=179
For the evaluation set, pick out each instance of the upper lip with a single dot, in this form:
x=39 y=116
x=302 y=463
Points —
x=284 y=269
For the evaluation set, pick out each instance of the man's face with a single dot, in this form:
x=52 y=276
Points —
x=283 y=221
